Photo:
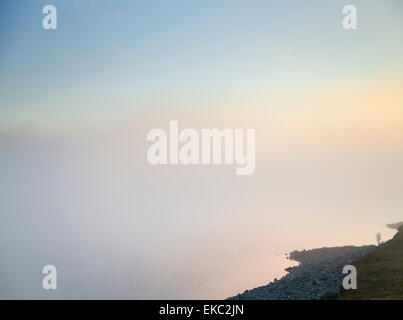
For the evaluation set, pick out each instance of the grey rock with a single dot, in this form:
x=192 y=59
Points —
x=319 y=273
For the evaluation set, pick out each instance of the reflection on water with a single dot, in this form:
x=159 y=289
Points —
x=252 y=272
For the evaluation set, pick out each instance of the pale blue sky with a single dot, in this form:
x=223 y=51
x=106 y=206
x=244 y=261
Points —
x=141 y=54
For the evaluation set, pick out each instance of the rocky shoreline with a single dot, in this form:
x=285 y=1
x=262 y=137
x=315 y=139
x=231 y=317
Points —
x=319 y=275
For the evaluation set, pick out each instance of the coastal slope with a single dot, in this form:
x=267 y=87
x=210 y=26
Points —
x=380 y=273
x=319 y=275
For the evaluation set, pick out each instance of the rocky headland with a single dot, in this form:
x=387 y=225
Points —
x=319 y=275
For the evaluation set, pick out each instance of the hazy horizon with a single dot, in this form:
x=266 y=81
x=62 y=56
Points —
x=77 y=102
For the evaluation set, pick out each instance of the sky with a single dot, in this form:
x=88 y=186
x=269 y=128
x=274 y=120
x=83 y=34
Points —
x=76 y=104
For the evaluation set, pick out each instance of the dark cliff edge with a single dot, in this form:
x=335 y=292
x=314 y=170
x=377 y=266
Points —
x=380 y=273
x=320 y=274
